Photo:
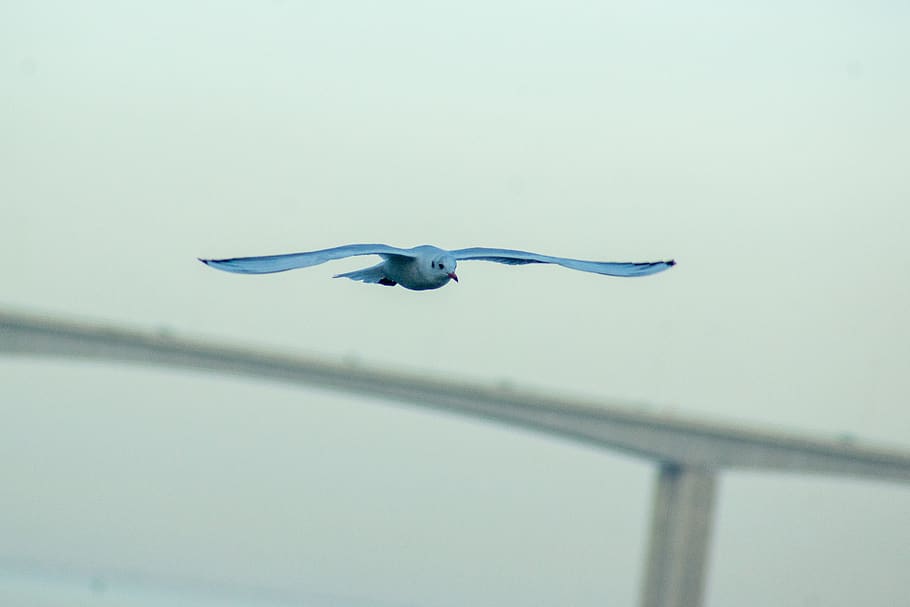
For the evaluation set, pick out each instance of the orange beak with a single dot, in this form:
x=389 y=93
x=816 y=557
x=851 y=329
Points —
x=453 y=276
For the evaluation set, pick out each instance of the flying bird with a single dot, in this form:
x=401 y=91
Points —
x=424 y=267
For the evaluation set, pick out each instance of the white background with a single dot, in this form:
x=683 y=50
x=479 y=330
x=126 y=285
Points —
x=765 y=147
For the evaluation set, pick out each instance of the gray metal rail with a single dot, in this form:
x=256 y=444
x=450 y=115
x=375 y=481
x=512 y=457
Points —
x=689 y=453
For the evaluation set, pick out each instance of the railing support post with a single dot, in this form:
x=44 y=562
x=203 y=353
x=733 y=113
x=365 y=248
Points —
x=677 y=557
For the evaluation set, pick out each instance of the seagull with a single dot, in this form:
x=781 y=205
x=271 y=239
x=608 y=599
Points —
x=424 y=267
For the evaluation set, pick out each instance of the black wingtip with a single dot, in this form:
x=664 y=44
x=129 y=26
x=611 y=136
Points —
x=205 y=261
x=671 y=263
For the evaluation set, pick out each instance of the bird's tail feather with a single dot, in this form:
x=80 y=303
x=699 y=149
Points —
x=373 y=274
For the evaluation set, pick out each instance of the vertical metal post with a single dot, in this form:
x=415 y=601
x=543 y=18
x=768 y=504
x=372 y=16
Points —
x=676 y=568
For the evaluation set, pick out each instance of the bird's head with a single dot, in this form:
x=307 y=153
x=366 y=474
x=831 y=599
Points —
x=443 y=267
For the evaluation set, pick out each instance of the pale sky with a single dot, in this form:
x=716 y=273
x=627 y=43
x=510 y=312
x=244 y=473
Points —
x=763 y=146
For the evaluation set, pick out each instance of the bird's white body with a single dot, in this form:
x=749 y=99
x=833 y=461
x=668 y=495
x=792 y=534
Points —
x=424 y=267
x=429 y=270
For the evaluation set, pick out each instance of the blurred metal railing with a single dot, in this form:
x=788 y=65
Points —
x=689 y=453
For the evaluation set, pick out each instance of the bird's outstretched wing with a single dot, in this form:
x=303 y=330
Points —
x=609 y=268
x=269 y=264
